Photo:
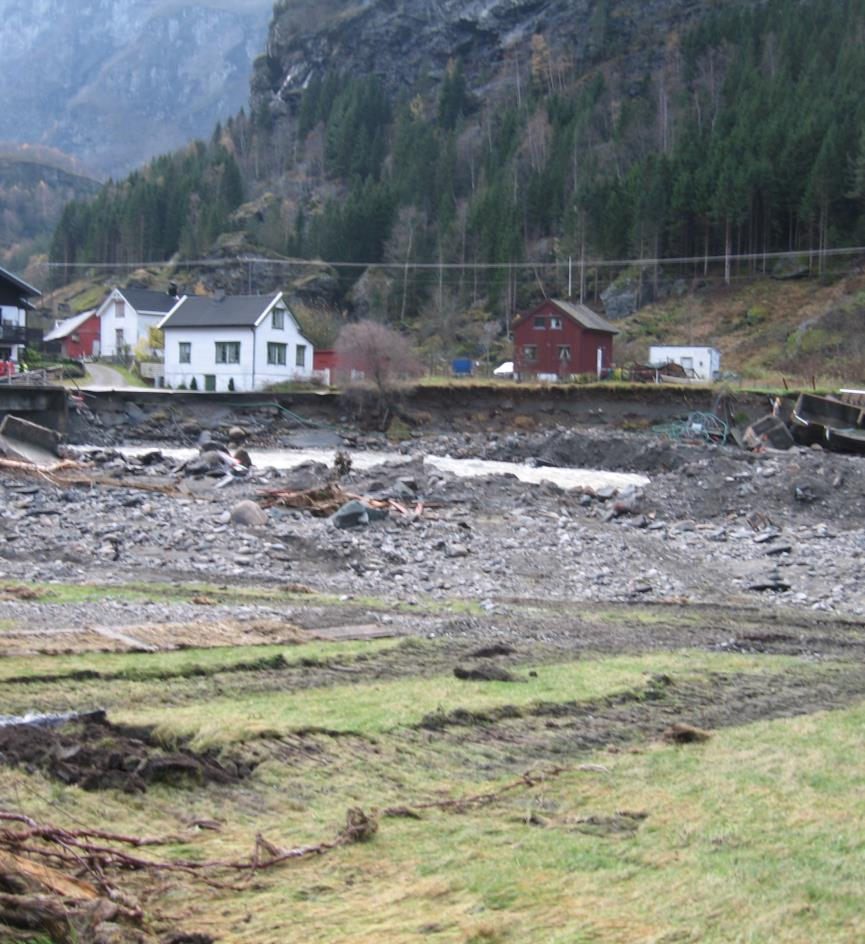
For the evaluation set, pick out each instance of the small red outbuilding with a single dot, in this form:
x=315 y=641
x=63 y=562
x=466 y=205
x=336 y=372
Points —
x=559 y=339
x=78 y=337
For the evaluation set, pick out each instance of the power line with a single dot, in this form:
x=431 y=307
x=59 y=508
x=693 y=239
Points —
x=588 y=264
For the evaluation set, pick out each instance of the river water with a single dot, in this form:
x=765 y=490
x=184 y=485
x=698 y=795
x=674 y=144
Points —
x=464 y=468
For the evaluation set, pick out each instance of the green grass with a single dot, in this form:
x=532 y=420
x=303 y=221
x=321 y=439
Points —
x=185 y=592
x=755 y=837
x=376 y=708
x=158 y=665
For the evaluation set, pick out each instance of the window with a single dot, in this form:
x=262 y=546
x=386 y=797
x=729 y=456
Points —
x=119 y=308
x=564 y=352
x=228 y=352
x=276 y=353
x=184 y=355
x=279 y=321
x=540 y=323
x=530 y=352
x=555 y=324
x=300 y=356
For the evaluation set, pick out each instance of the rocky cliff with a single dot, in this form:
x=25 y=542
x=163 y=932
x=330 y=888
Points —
x=408 y=45
x=114 y=82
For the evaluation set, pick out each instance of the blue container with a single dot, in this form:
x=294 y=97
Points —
x=461 y=366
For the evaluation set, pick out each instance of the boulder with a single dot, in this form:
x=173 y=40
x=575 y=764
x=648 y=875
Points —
x=248 y=514
x=355 y=514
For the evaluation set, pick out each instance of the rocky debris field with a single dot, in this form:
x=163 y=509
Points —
x=714 y=524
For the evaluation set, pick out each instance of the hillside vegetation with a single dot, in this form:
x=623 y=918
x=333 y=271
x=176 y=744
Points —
x=737 y=131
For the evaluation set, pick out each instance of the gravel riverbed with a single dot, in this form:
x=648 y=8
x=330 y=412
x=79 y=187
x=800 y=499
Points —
x=713 y=524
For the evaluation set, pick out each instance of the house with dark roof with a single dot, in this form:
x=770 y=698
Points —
x=75 y=337
x=15 y=295
x=127 y=315
x=558 y=339
x=240 y=342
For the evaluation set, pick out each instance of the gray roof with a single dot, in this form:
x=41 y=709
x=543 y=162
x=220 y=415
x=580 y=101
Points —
x=143 y=299
x=584 y=315
x=24 y=287
x=199 y=311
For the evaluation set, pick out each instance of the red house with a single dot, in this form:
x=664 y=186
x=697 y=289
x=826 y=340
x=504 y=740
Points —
x=559 y=339
x=77 y=337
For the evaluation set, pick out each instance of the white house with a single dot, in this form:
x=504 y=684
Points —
x=705 y=362
x=14 y=305
x=240 y=342
x=126 y=316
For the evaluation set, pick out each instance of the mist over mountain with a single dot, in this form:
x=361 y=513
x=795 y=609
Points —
x=114 y=82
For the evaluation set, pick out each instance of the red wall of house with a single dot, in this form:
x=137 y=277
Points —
x=584 y=345
x=323 y=360
x=80 y=343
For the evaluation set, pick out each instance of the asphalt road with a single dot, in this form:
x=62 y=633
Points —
x=101 y=375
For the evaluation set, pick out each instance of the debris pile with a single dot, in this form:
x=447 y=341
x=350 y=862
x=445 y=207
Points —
x=97 y=755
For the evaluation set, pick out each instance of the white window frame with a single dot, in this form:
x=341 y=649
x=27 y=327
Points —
x=277 y=353
x=230 y=351
x=300 y=356
x=278 y=319
x=184 y=348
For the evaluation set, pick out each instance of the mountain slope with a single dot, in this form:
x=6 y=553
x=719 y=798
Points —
x=114 y=82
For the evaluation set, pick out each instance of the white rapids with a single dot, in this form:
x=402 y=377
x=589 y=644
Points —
x=464 y=468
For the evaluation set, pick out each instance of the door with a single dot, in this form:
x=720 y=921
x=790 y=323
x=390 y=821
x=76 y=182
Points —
x=210 y=383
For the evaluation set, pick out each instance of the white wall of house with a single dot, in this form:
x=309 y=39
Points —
x=116 y=315
x=704 y=361
x=297 y=351
x=202 y=353
x=252 y=370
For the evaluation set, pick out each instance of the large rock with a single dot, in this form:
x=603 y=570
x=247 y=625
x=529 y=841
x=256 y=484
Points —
x=355 y=514
x=247 y=514
x=635 y=288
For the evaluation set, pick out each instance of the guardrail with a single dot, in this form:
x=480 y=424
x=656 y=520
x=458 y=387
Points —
x=42 y=377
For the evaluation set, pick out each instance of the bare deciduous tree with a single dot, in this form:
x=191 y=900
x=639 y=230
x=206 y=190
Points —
x=374 y=359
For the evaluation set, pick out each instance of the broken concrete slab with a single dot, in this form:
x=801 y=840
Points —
x=769 y=431
x=29 y=441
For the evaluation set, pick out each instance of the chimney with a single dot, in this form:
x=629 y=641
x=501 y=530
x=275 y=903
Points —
x=172 y=289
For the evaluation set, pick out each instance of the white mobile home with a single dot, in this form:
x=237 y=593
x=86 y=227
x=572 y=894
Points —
x=241 y=342
x=126 y=316
x=703 y=363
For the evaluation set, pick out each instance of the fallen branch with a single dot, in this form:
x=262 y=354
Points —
x=323 y=501
x=74 y=848
x=52 y=475
x=527 y=781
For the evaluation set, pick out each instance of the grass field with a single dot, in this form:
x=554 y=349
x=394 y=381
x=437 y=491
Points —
x=752 y=836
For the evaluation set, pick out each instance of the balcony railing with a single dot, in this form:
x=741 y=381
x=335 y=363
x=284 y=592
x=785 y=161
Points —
x=12 y=334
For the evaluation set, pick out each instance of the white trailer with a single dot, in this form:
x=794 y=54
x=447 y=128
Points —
x=704 y=363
